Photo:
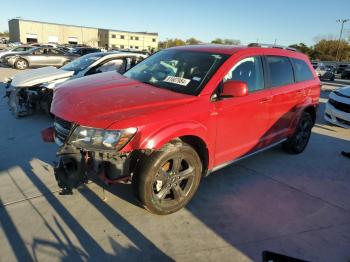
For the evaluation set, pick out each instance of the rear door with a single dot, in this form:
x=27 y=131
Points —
x=56 y=57
x=242 y=121
x=285 y=95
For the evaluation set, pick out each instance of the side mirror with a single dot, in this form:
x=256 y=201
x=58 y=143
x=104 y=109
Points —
x=234 y=88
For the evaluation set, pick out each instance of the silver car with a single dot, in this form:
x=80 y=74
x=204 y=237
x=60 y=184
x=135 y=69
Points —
x=32 y=90
x=39 y=57
x=14 y=50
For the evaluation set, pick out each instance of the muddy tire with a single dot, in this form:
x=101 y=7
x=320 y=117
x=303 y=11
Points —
x=167 y=180
x=297 y=143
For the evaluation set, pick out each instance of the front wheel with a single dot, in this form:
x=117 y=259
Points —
x=168 y=179
x=299 y=140
x=21 y=64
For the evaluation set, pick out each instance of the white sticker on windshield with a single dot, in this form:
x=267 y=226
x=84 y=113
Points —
x=195 y=78
x=177 y=80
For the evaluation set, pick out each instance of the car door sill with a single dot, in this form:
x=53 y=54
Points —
x=245 y=156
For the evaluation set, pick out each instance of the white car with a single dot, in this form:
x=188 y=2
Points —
x=33 y=89
x=338 y=107
x=14 y=50
x=324 y=72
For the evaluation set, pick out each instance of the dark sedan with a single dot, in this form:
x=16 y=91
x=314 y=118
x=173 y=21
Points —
x=84 y=50
x=39 y=57
x=346 y=73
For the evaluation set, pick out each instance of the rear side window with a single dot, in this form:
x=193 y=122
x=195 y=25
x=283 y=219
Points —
x=281 y=70
x=301 y=70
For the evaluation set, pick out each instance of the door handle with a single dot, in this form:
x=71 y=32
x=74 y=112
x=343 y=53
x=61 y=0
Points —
x=265 y=100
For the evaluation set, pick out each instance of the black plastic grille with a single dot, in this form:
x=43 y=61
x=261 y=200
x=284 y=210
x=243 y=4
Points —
x=62 y=129
x=344 y=122
x=340 y=106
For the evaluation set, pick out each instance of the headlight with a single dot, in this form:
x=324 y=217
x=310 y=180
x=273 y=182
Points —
x=93 y=139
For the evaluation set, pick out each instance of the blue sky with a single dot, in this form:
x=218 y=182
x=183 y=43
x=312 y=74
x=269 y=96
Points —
x=287 y=21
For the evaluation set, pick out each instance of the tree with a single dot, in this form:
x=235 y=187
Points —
x=309 y=51
x=327 y=50
x=4 y=34
x=226 y=41
x=192 y=41
x=232 y=42
x=170 y=43
x=217 y=41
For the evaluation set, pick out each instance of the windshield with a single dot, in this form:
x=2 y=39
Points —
x=180 y=71
x=83 y=62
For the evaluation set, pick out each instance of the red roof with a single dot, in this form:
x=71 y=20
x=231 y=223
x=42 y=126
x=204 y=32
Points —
x=231 y=49
x=212 y=48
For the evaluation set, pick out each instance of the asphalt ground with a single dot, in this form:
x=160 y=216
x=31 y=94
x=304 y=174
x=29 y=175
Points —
x=296 y=205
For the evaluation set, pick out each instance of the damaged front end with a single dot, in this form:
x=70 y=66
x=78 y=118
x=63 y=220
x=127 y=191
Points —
x=86 y=152
x=25 y=101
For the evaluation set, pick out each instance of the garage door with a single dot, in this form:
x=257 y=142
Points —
x=72 y=40
x=53 y=39
x=32 y=38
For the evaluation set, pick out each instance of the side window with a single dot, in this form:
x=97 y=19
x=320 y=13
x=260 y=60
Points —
x=39 y=51
x=248 y=70
x=113 y=65
x=55 y=52
x=281 y=70
x=301 y=70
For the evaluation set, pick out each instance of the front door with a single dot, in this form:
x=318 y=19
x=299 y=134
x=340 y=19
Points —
x=242 y=122
x=38 y=57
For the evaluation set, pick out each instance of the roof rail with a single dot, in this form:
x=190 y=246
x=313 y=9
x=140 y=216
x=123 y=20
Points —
x=272 y=46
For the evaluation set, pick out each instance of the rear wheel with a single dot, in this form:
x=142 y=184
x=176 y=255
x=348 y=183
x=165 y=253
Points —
x=168 y=179
x=299 y=140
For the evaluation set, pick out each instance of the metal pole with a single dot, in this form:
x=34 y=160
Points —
x=342 y=21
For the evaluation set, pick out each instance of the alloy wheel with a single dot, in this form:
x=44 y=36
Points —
x=173 y=181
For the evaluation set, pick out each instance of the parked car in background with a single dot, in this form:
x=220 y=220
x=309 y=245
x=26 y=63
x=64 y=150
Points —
x=13 y=51
x=338 y=107
x=135 y=51
x=44 y=45
x=14 y=44
x=179 y=115
x=39 y=57
x=331 y=68
x=84 y=50
x=346 y=73
x=341 y=68
x=33 y=90
x=3 y=40
x=323 y=72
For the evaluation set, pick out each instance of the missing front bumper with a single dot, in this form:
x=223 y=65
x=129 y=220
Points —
x=76 y=166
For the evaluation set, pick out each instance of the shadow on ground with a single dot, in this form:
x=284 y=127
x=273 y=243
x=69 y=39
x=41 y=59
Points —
x=264 y=198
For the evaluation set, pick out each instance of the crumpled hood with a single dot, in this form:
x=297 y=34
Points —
x=103 y=99
x=345 y=91
x=41 y=75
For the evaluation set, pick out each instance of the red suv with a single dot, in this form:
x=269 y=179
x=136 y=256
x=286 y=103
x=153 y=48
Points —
x=181 y=114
